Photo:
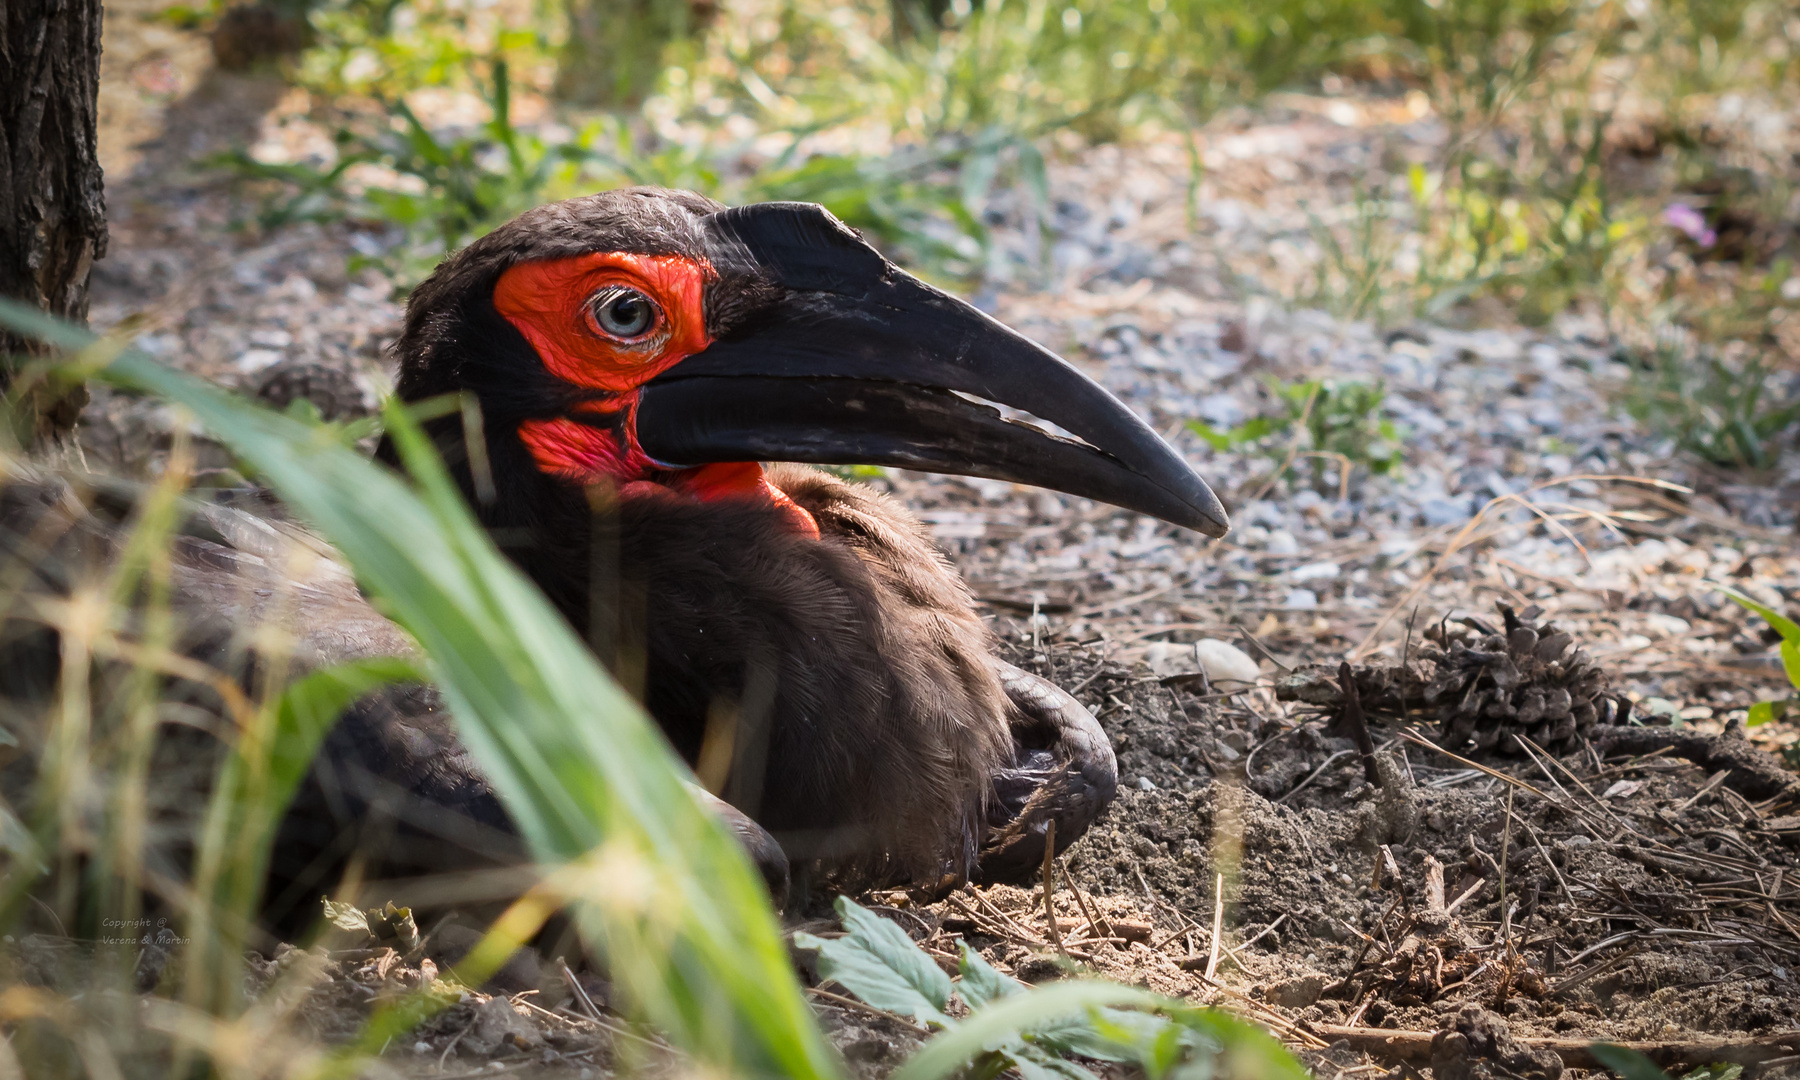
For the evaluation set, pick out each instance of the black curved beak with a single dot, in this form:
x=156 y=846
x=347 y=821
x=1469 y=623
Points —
x=849 y=360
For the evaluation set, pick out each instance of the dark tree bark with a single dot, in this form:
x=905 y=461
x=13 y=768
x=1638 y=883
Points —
x=52 y=210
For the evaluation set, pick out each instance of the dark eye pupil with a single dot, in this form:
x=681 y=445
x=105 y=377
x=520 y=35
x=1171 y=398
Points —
x=626 y=314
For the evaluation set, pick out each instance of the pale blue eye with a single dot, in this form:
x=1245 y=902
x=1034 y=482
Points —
x=624 y=313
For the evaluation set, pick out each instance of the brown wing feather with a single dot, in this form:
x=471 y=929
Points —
x=848 y=675
x=949 y=715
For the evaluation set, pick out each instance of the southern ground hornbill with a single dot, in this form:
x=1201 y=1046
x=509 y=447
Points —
x=630 y=358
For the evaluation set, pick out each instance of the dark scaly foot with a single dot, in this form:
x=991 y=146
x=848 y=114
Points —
x=1063 y=770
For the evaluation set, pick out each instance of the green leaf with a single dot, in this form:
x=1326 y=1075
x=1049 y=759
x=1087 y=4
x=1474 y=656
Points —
x=1790 y=661
x=1103 y=1034
x=877 y=962
x=1789 y=631
x=1033 y=1030
x=1036 y=1064
x=1257 y=427
x=345 y=916
x=982 y=984
x=1764 y=712
x=1718 y=1070
x=394 y=925
x=1628 y=1063
x=990 y=1028
x=1244 y=1050
x=19 y=844
x=1218 y=440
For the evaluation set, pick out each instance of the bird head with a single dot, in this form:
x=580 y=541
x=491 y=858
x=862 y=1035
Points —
x=650 y=336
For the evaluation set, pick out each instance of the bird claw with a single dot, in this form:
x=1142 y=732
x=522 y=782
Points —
x=1063 y=771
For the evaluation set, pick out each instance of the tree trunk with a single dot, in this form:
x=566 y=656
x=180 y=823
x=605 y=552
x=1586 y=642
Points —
x=52 y=211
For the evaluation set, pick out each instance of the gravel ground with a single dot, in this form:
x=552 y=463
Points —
x=1647 y=898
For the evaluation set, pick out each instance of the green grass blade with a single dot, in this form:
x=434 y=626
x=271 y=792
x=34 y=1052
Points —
x=1783 y=625
x=255 y=784
x=1626 y=1062
x=945 y=1055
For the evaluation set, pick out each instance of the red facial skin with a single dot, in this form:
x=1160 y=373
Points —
x=550 y=303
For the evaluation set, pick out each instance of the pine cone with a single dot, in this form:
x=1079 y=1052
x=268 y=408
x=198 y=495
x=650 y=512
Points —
x=1484 y=685
x=1529 y=680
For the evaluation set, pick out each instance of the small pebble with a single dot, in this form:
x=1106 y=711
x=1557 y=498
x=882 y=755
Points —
x=1443 y=511
x=255 y=360
x=1144 y=784
x=1225 y=662
x=1319 y=571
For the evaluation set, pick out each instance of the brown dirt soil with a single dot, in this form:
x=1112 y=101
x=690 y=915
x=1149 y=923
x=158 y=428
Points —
x=1644 y=899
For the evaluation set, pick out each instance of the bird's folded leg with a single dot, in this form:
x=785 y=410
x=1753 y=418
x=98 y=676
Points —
x=1062 y=770
x=764 y=852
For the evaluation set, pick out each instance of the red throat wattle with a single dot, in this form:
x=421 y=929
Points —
x=552 y=303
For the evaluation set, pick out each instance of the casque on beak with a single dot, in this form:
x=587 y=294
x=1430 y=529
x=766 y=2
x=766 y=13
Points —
x=852 y=361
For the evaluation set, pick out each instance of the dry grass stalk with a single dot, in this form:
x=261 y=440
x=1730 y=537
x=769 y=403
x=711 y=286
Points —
x=1218 y=925
x=1050 y=887
x=1463 y=538
x=1411 y=1046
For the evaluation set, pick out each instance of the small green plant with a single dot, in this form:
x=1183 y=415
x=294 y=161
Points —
x=1355 y=277
x=384 y=49
x=1732 y=414
x=1539 y=233
x=1764 y=711
x=1250 y=431
x=1008 y=1025
x=1344 y=420
x=445 y=189
x=1325 y=420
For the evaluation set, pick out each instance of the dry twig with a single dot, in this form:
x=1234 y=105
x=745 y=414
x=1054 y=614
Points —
x=1395 y=1045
